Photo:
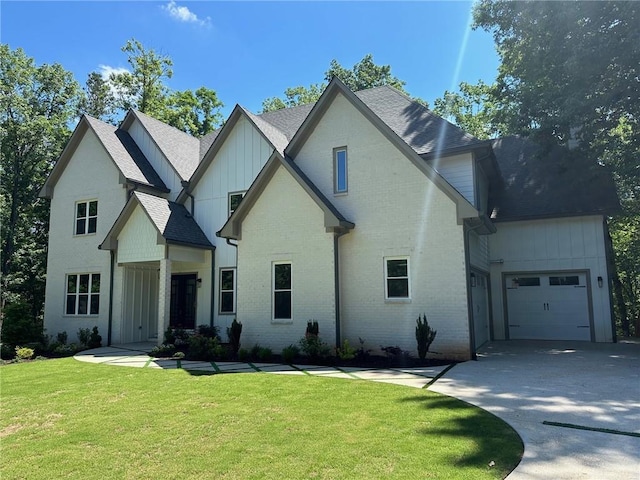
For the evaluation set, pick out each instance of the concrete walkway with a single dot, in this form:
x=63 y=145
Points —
x=135 y=355
x=576 y=405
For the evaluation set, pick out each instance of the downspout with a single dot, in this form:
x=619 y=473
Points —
x=113 y=258
x=213 y=287
x=336 y=268
x=467 y=264
x=235 y=245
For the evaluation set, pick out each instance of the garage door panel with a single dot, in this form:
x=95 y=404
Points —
x=548 y=306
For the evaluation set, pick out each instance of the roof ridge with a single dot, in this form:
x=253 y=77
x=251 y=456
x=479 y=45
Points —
x=177 y=130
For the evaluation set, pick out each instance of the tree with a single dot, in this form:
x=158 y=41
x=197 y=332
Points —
x=144 y=89
x=36 y=107
x=475 y=109
x=571 y=71
x=98 y=100
x=364 y=74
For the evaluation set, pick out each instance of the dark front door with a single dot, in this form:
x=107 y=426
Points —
x=183 y=301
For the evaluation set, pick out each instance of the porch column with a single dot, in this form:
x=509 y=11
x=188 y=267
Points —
x=164 y=298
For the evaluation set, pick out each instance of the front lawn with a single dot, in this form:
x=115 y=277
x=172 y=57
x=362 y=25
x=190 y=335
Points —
x=67 y=419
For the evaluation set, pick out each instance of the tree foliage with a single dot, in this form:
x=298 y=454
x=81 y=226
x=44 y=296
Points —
x=571 y=71
x=36 y=107
x=363 y=75
x=144 y=88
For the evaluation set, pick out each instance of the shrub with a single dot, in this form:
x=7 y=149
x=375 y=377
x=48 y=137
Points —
x=362 y=353
x=95 y=339
x=244 y=355
x=63 y=350
x=164 y=350
x=209 y=331
x=205 y=348
x=233 y=332
x=169 y=337
x=424 y=336
x=313 y=329
x=24 y=353
x=290 y=353
x=346 y=351
x=61 y=338
x=254 y=351
x=314 y=348
x=19 y=326
x=265 y=354
x=396 y=352
x=6 y=352
x=83 y=336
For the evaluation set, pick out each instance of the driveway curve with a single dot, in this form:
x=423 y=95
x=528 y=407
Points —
x=576 y=405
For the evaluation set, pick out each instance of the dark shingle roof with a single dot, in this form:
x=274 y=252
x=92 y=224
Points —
x=277 y=138
x=420 y=128
x=207 y=141
x=126 y=154
x=288 y=120
x=541 y=181
x=173 y=221
x=180 y=148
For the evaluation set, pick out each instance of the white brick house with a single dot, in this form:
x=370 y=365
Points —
x=362 y=212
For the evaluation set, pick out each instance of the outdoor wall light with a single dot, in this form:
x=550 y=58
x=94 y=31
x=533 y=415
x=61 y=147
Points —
x=600 y=282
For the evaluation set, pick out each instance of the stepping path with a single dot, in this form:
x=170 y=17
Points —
x=137 y=356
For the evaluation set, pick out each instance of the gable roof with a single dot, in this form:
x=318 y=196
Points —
x=173 y=222
x=271 y=135
x=463 y=207
x=548 y=181
x=333 y=219
x=123 y=151
x=181 y=149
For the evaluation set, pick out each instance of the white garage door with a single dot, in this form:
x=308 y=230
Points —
x=548 y=306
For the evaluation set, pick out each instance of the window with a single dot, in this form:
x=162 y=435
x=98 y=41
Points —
x=234 y=201
x=282 y=291
x=83 y=294
x=396 y=271
x=340 y=170
x=227 y=290
x=526 y=282
x=568 y=280
x=86 y=217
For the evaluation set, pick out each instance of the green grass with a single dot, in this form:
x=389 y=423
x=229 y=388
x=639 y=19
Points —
x=66 y=419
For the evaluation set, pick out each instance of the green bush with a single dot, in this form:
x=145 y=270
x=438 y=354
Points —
x=164 y=350
x=24 y=353
x=424 y=336
x=346 y=351
x=313 y=328
x=63 y=350
x=314 y=348
x=19 y=327
x=83 y=336
x=233 y=332
x=265 y=354
x=205 y=348
x=95 y=339
x=254 y=351
x=209 y=331
x=62 y=338
x=244 y=355
x=290 y=353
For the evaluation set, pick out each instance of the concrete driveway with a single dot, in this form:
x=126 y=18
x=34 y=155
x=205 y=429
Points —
x=593 y=386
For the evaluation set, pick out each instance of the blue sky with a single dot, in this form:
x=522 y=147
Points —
x=249 y=51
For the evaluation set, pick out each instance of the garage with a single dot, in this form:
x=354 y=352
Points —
x=548 y=306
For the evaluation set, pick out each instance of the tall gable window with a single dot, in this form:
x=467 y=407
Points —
x=86 y=217
x=396 y=271
x=282 y=291
x=234 y=201
x=83 y=294
x=340 y=182
x=227 y=290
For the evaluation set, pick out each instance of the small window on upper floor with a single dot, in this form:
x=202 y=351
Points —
x=340 y=182
x=234 y=201
x=86 y=217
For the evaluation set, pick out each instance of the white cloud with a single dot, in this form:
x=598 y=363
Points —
x=106 y=71
x=183 y=14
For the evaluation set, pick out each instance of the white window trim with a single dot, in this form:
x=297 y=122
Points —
x=234 y=291
x=386 y=277
x=229 y=195
x=336 y=171
x=77 y=295
x=86 y=218
x=273 y=292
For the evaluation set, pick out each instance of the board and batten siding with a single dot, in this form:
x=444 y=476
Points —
x=156 y=158
x=479 y=251
x=138 y=240
x=285 y=225
x=234 y=168
x=90 y=175
x=397 y=211
x=458 y=171
x=553 y=245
